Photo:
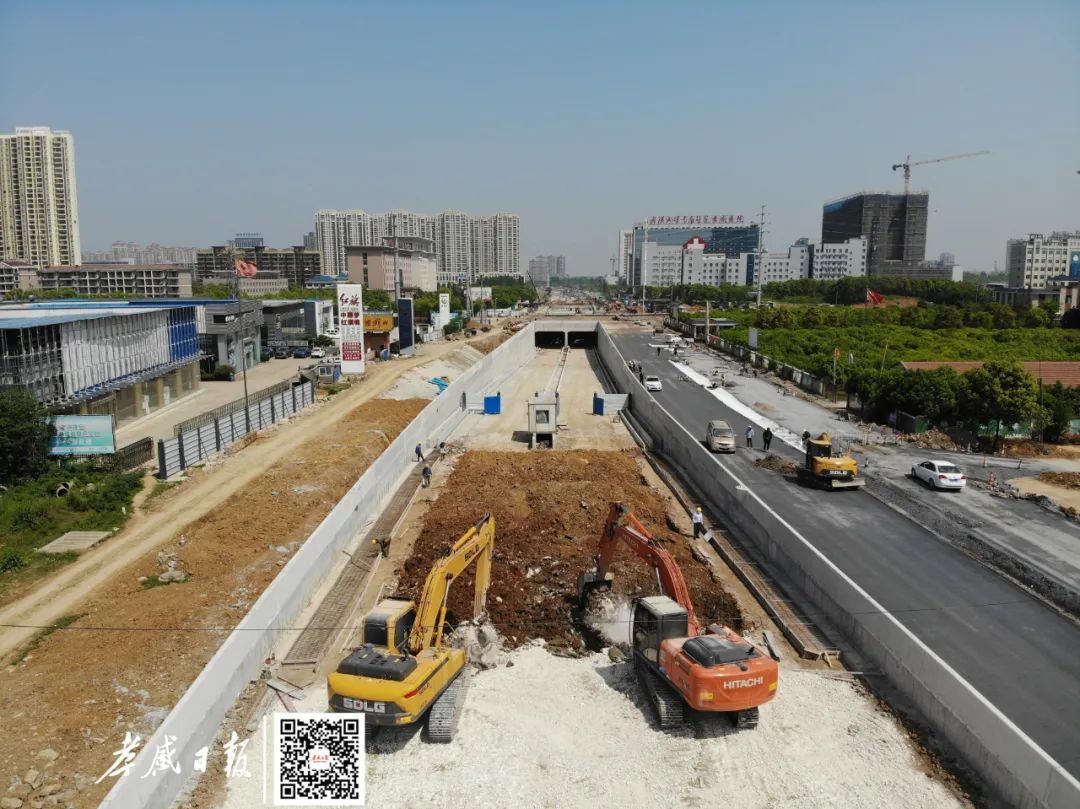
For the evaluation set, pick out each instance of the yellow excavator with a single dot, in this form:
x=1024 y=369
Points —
x=825 y=470
x=405 y=670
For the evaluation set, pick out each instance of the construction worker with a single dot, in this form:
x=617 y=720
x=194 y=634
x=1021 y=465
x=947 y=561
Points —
x=426 y=475
x=384 y=546
x=698 y=519
x=805 y=436
x=766 y=438
x=419 y=453
x=750 y=436
x=658 y=350
x=641 y=376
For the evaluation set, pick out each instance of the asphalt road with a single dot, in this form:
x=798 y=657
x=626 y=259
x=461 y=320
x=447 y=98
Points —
x=1021 y=655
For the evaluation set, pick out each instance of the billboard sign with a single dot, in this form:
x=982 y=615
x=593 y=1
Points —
x=480 y=293
x=444 y=308
x=406 y=330
x=691 y=221
x=351 y=325
x=1074 y=263
x=82 y=435
x=379 y=322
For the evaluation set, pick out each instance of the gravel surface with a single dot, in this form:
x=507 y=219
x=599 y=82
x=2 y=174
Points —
x=559 y=733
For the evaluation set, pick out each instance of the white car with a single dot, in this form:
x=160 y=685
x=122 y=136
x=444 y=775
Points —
x=318 y=353
x=653 y=383
x=939 y=475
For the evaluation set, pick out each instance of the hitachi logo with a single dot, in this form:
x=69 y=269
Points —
x=748 y=683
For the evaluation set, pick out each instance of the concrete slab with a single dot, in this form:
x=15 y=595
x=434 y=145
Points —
x=75 y=542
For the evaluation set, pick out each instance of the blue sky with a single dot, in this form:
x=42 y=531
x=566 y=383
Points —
x=194 y=121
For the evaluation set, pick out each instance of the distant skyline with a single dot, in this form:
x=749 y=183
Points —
x=197 y=121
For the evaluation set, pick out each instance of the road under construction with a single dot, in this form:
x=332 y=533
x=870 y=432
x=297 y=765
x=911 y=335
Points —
x=943 y=641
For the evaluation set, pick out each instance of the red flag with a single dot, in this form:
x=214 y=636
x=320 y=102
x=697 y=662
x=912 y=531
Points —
x=246 y=269
x=874 y=297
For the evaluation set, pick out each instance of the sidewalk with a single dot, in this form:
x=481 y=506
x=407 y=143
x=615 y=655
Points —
x=209 y=395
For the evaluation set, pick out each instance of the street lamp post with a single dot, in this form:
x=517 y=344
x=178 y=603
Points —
x=243 y=339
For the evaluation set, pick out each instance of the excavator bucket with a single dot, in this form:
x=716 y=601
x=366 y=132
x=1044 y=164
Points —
x=589 y=581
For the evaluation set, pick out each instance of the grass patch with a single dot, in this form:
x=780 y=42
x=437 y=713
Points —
x=160 y=488
x=35 y=641
x=31 y=515
x=337 y=387
x=153 y=581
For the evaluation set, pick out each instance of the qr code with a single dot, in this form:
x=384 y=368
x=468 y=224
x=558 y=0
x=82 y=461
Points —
x=318 y=759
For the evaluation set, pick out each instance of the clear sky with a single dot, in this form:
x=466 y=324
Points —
x=194 y=120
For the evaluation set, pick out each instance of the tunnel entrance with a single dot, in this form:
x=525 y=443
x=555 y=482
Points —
x=549 y=339
x=582 y=339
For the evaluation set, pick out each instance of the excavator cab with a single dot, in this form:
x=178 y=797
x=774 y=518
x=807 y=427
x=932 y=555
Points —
x=826 y=470
x=657 y=618
x=389 y=624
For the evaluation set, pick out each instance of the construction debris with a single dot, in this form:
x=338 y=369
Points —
x=776 y=464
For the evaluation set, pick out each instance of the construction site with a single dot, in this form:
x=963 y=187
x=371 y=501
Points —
x=545 y=570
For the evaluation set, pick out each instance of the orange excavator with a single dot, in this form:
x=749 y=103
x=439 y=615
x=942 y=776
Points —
x=680 y=663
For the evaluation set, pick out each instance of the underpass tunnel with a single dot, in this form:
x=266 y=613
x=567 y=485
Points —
x=549 y=339
x=582 y=339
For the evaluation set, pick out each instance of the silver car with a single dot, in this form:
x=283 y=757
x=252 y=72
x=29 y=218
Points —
x=939 y=475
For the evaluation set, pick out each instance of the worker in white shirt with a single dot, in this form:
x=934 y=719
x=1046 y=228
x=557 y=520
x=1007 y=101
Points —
x=699 y=522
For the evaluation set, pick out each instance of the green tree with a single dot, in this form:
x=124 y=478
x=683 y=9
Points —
x=1071 y=319
x=24 y=435
x=1001 y=392
x=1036 y=318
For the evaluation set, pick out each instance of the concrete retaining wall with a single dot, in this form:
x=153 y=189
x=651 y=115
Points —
x=1018 y=769
x=197 y=716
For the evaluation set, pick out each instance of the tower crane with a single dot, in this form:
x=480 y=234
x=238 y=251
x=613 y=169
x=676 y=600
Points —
x=907 y=164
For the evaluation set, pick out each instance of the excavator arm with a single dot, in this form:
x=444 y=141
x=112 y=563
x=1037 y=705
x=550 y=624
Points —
x=622 y=526
x=476 y=545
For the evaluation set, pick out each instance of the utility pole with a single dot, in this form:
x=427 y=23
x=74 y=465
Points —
x=398 y=285
x=243 y=340
x=760 y=262
x=644 y=254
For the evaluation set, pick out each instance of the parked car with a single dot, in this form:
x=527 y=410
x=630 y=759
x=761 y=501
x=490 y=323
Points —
x=939 y=475
x=318 y=353
x=301 y=352
x=720 y=437
x=653 y=383
x=281 y=353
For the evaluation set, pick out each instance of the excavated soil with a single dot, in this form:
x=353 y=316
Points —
x=550 y=509
x=776 y=464
x=127 y=660
x=1067 y=480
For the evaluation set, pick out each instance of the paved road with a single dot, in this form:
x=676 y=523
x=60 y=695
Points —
x=1020 y=654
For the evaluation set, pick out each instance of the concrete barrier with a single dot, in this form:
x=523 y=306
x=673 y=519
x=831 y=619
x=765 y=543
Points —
x=1019 y=770
x=196 y=718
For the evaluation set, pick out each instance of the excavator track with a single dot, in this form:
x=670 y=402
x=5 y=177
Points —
x=747 y=720
x=445 y=711
x=669 y=706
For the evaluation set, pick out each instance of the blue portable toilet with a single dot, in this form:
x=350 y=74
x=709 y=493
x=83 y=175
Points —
x=597 y=405
x=493 y=405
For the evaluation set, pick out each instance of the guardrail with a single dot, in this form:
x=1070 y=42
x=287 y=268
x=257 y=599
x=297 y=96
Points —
x=1021 y=771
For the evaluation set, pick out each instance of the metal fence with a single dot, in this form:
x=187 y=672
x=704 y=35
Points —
x=210 y=416
x=133 y=455
x=196 y=443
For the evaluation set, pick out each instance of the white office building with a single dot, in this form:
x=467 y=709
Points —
x=713 y=269
x=833 y=261
x=1033 y=262
x=39 y=208
x=465 y=245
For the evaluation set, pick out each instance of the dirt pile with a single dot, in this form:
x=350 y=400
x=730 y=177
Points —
x=776 y=464
x=1067 y=480
x=549 y=511
x=123 y=663
x=931 y=439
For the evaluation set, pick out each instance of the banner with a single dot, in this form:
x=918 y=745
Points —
x=82 y=435
x=1074 y=264
x=406 y=330
x=752 y=338
x=351 y=322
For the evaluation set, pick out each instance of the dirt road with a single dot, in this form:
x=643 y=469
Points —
x=60 y=594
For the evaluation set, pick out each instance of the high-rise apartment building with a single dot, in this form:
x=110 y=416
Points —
x=624 y=255
x=133 y=253
x=894 y=226
x=544 y=270
x=467 y=247
x=1033 y=262
x=39 y=209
